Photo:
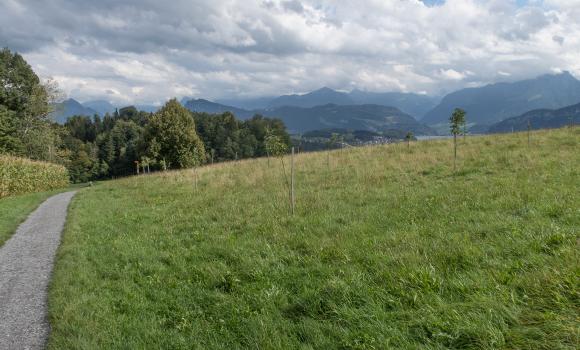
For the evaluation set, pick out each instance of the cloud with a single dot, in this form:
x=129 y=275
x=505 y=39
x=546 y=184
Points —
x=148 y=51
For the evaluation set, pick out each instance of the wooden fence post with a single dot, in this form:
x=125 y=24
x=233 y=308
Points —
x=292 y=200
x=529 y=128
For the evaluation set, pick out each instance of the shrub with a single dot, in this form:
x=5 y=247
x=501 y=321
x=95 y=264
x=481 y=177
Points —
x=19 y=176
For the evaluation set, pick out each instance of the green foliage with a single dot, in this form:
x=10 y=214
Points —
x=387 y=251
x=19 y=175
x=83 y=128
x=275 y=146
x=172 y=128
x=336 y=140
x=95 y=148
x=18 y=82
x=457 y=121
x=24 y=109
x=9 y=142
x=224 y=136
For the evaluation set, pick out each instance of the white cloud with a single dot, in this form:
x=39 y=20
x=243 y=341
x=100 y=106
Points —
x=149 y=51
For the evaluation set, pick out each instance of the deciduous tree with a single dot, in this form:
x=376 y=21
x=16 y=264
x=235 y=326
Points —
x=456 y=123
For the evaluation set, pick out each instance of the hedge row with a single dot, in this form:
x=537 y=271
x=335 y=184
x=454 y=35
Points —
x=19 y=175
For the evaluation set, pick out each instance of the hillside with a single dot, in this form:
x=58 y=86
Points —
x=205 y=106
x=493 y=103
x=315 y=98
x=540 y=119
x=299 y=119
x=100 y=106
x=388 y=249
x=68 y=108
x=355 y=117
x=413 y=104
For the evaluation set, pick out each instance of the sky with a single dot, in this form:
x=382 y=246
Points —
x=147 y=51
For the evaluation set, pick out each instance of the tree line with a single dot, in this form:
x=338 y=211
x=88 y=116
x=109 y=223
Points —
x=114 y=145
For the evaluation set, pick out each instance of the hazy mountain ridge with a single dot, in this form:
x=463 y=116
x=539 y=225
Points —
x=68 y=108
x=315 y=98
x=354 y=117
x=410 y=103
x=492 y=103
x=205 y=106
x=102 y=107
x=485 y=106
x=71 y=107
x=539 y=119
x=300 y=119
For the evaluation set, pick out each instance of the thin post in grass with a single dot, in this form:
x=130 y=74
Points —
x=292 y=199
x=408 y=137
x=195 y=178
x=529 y=129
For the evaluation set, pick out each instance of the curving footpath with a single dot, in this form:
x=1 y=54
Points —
x=26 y=262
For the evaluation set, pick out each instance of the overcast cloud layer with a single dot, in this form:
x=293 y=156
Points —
x=146 y=51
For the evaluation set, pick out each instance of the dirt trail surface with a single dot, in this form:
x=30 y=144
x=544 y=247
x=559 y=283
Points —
x=26 y=262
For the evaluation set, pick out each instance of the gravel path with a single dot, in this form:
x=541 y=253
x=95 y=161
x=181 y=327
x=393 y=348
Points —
x=26 y=262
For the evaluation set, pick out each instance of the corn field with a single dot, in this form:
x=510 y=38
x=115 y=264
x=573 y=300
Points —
x=19 y=176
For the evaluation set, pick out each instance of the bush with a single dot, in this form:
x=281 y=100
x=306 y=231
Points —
x=19 y=176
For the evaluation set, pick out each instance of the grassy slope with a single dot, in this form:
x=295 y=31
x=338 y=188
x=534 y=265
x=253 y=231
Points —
x=14 y=210
x=387 y=250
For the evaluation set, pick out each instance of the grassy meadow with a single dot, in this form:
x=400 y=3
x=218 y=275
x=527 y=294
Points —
x=388 y=248
x=14 y=210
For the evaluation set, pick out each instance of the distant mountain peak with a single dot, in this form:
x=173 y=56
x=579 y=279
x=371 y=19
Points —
x=324 y=89
x=101 y=106
x=539 y=119
x=68 y=108
x=564 y=75
x=72 y=101
x=493 y=103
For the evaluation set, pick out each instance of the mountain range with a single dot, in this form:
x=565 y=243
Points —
x=299 y=119
x=374 y=111
x=354 y=117
x=413 y=104
x=493 y=103
x=205 y=106
x=68 y=108
x=100 y=106
x=539 y=119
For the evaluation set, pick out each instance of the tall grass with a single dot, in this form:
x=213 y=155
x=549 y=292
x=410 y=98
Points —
x=388 y=248
x=19 y=176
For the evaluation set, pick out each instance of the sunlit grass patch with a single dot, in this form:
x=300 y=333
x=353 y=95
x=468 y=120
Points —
x=388 y=248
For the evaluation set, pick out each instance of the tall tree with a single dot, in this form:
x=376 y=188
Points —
x=456 y=123
x=172 y=128
x=25 y=103
x=9 y=141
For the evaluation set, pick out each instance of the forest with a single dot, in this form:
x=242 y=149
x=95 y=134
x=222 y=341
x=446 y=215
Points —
x=116 y=145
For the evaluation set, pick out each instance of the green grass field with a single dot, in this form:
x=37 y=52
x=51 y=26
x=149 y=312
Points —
x=388 y=249
x=14 y=210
